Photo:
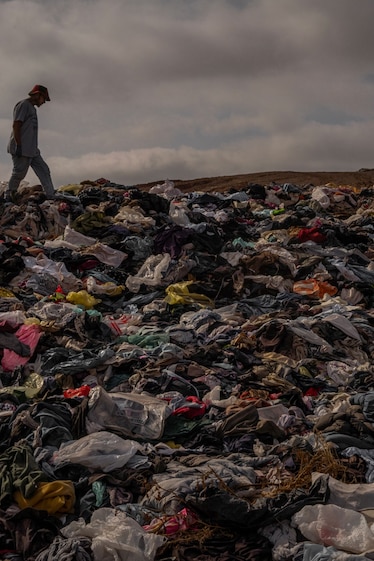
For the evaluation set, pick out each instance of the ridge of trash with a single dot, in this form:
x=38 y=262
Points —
x=187 y=375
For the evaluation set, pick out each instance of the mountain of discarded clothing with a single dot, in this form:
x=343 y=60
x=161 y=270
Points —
x=186 y=370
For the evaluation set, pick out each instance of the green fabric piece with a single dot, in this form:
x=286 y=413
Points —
x=19 y=471
x=99 y=490
x=90 y=221
x=148 y=341
x=177 y=426
x=32 y=386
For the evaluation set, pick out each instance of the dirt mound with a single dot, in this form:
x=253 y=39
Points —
x=362 y=178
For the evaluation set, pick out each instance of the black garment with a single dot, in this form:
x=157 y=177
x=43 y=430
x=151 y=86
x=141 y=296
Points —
x=27 y=531
x=219 y=547
x=217 y=506
x=10 y=341
x=170 y=239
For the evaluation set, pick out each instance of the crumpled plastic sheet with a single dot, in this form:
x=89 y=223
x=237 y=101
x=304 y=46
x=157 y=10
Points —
x=115 y=536
x=102 y=451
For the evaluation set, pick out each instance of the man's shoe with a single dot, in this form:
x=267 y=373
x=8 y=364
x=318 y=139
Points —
x=10 y=197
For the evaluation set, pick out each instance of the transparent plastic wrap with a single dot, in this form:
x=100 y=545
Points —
x=331 y=525
x=42 y=264
x=121 y=324
x=151 y=273
x=115 y=536
x=133 y=415
x=103 y=451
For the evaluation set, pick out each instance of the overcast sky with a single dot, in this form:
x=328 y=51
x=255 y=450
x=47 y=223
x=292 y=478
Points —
x=149 y=90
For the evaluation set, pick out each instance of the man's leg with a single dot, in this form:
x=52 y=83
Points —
x=21 y=165
x=41 y=169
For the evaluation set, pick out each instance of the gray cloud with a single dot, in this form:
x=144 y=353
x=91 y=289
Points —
x=154 y=89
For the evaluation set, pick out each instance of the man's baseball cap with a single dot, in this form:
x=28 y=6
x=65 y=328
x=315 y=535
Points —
x=40 y=89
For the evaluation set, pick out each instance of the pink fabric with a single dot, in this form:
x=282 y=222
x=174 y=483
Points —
x=27 y=334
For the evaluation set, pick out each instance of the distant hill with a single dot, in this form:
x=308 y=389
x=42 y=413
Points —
x=363 y=178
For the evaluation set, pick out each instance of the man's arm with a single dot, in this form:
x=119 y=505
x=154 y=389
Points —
x=17 y=125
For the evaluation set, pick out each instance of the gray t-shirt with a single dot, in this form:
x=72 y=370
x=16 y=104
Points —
x=25 y=111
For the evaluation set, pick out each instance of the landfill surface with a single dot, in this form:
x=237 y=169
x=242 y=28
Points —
x=187 y=370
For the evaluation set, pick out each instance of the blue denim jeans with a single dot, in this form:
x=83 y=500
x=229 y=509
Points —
x=21 y=165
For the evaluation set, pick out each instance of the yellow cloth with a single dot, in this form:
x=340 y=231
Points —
x=5 y=293
x=179 y=294
x=82 y=298
x=54 y=497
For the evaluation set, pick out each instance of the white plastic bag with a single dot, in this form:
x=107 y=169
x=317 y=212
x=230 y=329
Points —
x=178 y=213
x=115 y=536
x=101 y=451
x=320 y=195
x=332 y=525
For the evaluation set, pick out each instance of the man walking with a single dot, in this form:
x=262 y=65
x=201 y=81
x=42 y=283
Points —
x=23 y=144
